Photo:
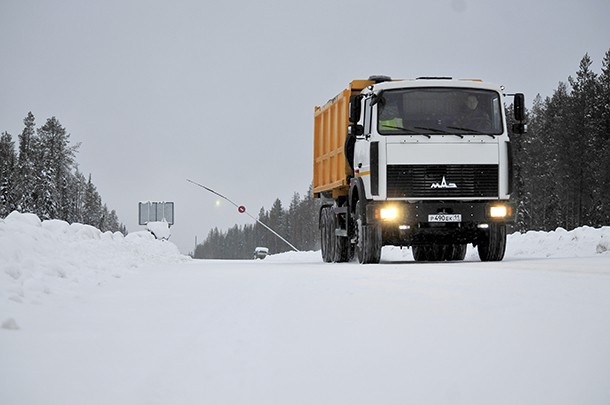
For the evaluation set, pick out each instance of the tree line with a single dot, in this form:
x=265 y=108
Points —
x=41 y=177
x=561 y=173
x=298 y=224
x=562 y=165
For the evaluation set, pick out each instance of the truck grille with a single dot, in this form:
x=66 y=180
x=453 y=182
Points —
x=439 y=181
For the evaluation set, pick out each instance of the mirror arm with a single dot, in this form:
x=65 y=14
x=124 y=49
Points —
x=355 y=130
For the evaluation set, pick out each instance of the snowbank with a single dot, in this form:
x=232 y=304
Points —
x=160 y=229
x=38 y=257
x=580 y=242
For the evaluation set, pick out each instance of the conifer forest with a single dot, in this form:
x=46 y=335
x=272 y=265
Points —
x=562 y=164
x=40 y=176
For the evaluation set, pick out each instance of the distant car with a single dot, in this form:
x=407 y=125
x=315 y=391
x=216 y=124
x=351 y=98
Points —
x=261 y=252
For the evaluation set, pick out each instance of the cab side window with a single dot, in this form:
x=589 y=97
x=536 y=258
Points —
x=367 y=116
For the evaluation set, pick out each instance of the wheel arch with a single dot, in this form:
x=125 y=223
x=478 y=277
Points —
x=356 y=192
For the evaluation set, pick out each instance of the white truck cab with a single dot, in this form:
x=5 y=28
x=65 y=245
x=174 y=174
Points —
x=454 y=124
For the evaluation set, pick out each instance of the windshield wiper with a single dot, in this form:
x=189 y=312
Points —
x=405 y=129
x=472 y=131
x=439 y=131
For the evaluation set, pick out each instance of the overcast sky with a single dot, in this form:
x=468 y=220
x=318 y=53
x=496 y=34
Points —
x=223 y=92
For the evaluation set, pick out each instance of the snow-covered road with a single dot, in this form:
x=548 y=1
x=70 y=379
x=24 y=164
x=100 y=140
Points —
x=293 y=330
x=220 y=332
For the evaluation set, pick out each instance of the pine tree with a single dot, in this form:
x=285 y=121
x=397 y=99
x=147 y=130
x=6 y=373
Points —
x=92 y=207
x=308 y=212
x=24 y=179
x=277 y=222
x=113 y=222
x=558 y=116
x=541 y=172
x=76 y=197
x=261 y=234
x=50 y=168
x=211 y=248
x=293 y=221
x=520 y=194
x=604 y=134
x=7 y=171
x=56 y=164
x=584 y=145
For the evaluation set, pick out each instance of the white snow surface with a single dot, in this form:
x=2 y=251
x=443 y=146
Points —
x=160 y=229
x=97 y=318
x=41 y=258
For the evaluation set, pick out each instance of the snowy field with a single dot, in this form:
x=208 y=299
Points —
x=97 y=318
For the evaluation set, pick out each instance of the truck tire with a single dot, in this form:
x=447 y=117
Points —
x=492 y=243
x=420 y=252
x=327 y=234
x=334 y=248
x=342 y=245
x=441 y=253
x=458 y=252
x=432 y=252
x=368 y=236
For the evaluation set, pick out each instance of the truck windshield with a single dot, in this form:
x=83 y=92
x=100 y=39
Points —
x=438 y=111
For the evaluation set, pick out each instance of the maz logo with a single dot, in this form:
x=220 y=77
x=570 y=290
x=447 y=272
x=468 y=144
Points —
x=443 y=184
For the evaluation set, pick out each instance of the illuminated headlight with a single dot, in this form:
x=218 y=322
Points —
x=388 y=214
x=499 y=211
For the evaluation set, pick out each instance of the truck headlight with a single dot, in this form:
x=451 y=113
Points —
x=500 y=211
x=388 y=214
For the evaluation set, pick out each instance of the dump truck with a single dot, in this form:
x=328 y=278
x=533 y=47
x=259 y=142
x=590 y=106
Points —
x=422 y=163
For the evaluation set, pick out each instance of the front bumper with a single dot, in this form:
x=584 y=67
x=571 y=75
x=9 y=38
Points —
x=402 y=213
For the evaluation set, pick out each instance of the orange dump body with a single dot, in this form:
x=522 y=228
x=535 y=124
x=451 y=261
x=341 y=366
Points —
x=330 y=167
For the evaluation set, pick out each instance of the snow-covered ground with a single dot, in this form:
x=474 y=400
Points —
x=98 y=318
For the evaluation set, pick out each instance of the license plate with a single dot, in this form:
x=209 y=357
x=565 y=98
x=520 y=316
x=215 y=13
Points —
x=445 y=218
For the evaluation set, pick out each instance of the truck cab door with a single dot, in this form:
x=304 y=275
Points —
x=362 y=151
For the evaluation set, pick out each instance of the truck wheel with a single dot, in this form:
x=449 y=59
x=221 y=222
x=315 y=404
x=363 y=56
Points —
x=492 y=243
x=342 y=248
x=458 y=251
x=368 y=245
x=420 y=253
x=434 y=252
x=327 y=234
x=431 y=252
x=342 y=245
x=440 y=253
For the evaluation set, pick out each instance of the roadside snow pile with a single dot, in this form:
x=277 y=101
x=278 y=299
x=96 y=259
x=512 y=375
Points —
x=292 y=256
x=580 y=242
x=40 y=257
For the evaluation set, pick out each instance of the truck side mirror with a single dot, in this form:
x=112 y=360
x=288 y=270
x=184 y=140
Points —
x=355 y=108
x=520 y=128
x=519 y=107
